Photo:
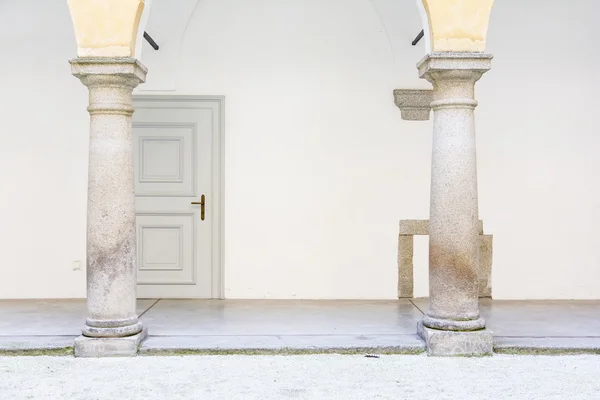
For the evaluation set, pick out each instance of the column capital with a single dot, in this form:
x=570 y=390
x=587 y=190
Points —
x=453 y=76
x=110 y=82
x=454 y=65
x=96 y=71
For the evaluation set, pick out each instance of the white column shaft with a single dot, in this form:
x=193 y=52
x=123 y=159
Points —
x=454 y=219
x=111 y=236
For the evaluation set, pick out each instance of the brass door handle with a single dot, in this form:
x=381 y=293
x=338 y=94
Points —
x=202 y=203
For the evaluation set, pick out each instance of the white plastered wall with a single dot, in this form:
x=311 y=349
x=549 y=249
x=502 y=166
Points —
x=538 y=148
x=43 y=153
x=319 y=167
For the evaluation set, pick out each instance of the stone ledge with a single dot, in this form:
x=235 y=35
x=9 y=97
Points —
x=420 y=227
x=35 y=343
x=547 y=345
x=109 y=347
x=283 y=344
x=453 y=343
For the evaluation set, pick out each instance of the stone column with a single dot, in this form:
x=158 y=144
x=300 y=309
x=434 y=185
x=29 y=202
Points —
x=452 y=325
x=112 y=326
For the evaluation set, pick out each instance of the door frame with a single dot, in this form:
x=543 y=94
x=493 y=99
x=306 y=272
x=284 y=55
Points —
x=217 y=184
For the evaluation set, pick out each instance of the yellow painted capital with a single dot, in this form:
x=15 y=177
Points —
x=458 y=25
x=106 y=28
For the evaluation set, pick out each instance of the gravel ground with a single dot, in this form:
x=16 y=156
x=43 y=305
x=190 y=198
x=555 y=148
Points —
x=301 y=377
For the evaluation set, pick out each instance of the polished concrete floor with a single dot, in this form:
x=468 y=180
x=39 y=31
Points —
x=303 y=326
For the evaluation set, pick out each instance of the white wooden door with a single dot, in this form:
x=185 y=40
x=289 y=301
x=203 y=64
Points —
x=177 y=148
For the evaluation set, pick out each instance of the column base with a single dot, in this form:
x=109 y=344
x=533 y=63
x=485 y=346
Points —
x=109 y=347
x=112 y=328
x=453 y=325
x=456 y=343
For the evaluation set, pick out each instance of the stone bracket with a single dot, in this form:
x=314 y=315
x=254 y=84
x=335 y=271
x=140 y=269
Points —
x=411 y=227
x=414 y=104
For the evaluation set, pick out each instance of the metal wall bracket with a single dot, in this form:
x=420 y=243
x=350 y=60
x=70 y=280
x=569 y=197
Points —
x=151 y=41
x=418 y=38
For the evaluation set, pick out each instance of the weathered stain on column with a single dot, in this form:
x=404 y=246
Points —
x=410 y=228
x=111 y=236
x=453 y=221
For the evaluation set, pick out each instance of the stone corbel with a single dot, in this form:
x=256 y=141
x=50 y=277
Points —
x=414 y=104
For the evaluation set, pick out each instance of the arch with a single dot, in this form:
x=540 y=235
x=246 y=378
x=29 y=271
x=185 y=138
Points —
x=141 y=28
x=167 y=22
x=455 y=26
x=175 y=16
x=106 y=28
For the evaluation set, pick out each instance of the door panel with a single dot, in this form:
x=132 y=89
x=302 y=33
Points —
x=174 y=157
x=166 y=157
x=166 y=249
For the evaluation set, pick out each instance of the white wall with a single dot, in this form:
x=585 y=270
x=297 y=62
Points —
x=43 y=153
x=314 y=178
x=538 y=148
x=319 y=167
